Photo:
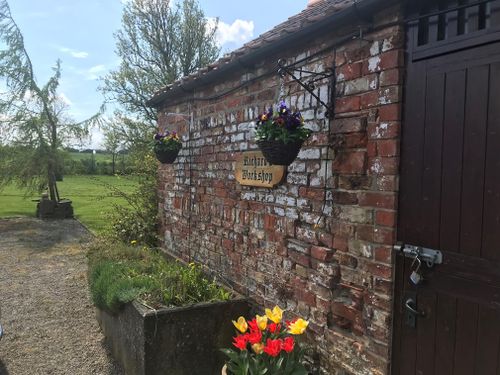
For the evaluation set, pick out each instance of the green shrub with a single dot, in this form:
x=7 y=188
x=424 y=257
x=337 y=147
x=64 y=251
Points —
x=138 y=220
x=119 y=274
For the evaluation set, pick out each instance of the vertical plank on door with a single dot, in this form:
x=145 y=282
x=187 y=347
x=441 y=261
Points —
x=491 y=226
x=476 y=111
x=412 y=156
x=446 y=311
x=452 y=160
x=427 y=301
x=431 y=174
x=467 y=318
x=488 y=341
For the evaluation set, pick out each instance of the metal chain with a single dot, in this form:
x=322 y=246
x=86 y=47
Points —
x=280 y=95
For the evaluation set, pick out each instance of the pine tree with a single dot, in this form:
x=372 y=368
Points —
x=33 y=118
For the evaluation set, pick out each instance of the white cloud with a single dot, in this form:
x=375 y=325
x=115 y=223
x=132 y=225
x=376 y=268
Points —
x=239 y=32
x=76 y=54
x=65 y=99
x=94 y=72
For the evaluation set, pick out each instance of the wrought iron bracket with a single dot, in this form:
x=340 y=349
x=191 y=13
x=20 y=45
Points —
x=308 y=82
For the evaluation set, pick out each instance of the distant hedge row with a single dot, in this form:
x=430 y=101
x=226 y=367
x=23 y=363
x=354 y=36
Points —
x=89 y=166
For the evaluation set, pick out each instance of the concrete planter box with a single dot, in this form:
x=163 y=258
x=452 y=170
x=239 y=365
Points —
x=174 y=341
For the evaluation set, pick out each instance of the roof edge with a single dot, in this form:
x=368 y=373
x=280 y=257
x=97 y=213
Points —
x=357 y=9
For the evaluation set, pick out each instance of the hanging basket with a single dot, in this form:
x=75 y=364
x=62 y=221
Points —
x=166 y=156
x=279 y=153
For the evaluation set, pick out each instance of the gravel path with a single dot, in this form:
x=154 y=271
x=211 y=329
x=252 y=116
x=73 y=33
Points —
x=47 y=314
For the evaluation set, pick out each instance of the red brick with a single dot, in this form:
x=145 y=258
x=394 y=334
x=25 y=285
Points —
x=384 y=236
x=383 y=286
x=299 y=258
x=270 y=222
x=322 y=253
x=350 y=162
x=348 y=104
x=380 y=270
x=344 y=197
x=349 y=125
x=349 y=71
x=383 y=166
x=311 y=193
x=177 y=203
x=219 y=192
x=347 y=260
x=357 y=51
x=383 y=254
x=380 y=200
x=355 y=140
x=364 y=233
x=385 y=130
x=340 y=59
x=371 y=149
x=353 y=316
x=391 y=59
x=340 y=243
x=370 y=99
x=390 y=94
x=391 y=77
x=268 y=94
x=325 y=239
x=385 y=218
x=305 y=296
x=390 y=112
x=387 y=183
x=388 y=147
x=228 y=244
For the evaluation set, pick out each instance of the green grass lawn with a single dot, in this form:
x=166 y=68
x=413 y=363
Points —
x=90 y=195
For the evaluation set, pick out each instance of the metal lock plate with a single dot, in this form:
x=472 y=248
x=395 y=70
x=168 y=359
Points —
x=431 y=257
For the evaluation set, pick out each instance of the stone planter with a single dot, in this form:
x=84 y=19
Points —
x=174 y=341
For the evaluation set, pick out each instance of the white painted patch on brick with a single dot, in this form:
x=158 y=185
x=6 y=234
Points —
x=279 y=211
x=309 y=153
x=373 y=63
x=248 y=196
x=308 y=115
x=375 y=48
x=380 y=130
x=377 y=167
x=387 y=44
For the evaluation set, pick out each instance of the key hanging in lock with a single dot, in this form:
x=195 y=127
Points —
x=416 y=277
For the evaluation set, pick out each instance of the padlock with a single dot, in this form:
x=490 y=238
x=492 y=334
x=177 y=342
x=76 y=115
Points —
x=415 y=277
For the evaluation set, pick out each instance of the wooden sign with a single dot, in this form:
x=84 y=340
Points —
x=252 y=169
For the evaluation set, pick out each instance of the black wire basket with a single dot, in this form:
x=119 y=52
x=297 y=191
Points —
x=166 y=156
x=278 y=153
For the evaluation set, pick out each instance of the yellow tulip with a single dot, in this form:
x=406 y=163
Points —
x=275 y=315
x=258 y=348
x=241 y=324
x=261 y=322
x=298 y=327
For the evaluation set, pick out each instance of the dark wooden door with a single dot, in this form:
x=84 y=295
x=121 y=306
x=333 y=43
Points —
x=450 y=193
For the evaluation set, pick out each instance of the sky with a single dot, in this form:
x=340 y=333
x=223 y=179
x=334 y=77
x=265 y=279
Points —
x=80 y=33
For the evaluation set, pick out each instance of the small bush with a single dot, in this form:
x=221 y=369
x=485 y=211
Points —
x=119 y=274
x=138 y=220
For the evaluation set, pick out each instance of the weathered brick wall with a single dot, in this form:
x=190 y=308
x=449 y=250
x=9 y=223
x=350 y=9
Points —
x=264 y=242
